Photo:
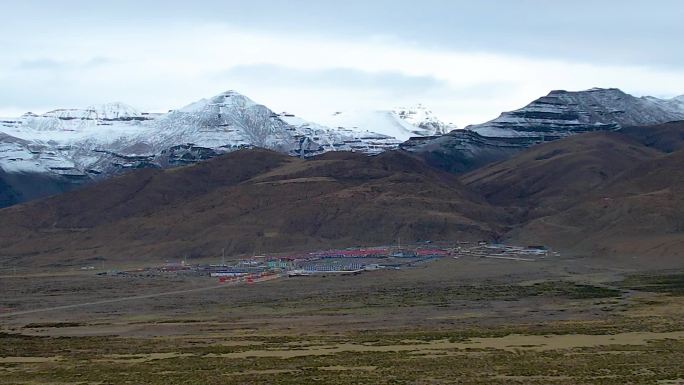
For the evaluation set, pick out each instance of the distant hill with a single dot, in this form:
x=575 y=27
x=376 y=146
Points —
x=248 y=201
x=639 y=213
x=668 y=137
x=551 y=177
x=618 y=193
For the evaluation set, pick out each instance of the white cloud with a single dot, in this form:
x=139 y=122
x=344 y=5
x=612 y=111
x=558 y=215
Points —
x=160 y=68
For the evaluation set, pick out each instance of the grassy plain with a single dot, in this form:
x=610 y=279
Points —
x=454 y=321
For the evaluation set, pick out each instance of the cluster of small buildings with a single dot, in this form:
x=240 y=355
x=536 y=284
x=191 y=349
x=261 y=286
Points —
x=501 y=251
x=337 y=261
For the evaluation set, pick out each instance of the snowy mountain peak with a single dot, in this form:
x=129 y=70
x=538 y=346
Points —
x=595 y=92
x=423 y=118
x=604 y=90
x=229 y=93
x=228 y=99
x=234 y=99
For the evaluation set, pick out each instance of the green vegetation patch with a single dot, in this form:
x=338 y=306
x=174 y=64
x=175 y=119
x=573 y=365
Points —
x=442 y=295
x=439 y=295
x=39 y=325
x=89 y=360
x=672 y=284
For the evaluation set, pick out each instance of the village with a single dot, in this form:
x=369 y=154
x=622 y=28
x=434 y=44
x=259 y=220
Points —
x=332 y=262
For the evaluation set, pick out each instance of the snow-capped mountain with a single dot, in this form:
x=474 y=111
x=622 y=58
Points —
x=400 y=123
x=68 y=147
x=563 y=113
x=68 y=142
x=79 y=145
x=224 y=122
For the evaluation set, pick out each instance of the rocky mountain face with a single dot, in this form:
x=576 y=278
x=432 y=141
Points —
x=563 y=113
x=463 y=150
x=556 y=115
x=70 y=147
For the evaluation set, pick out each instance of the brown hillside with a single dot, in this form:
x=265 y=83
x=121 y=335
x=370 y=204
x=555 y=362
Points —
x=552 y=177
x=247 y=201
x=639 y=213
x=668 y=137
x=617 y=193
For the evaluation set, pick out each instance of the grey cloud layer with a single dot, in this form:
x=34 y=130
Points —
x=277 y=76
x=622 y=32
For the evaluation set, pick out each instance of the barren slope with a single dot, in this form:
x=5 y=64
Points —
x=248 y=201
x=639 y=213
x=551 y=177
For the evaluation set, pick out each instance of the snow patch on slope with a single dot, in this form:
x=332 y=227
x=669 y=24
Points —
x=424 y=120
x=382 y=122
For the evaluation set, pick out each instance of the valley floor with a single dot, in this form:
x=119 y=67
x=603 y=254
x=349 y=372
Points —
x=467 y=320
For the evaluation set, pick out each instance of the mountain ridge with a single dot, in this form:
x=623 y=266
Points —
x=557 y=115
x=562 y=113
x=70 y=147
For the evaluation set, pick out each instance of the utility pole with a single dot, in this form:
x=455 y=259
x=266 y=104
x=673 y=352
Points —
x=223 y=258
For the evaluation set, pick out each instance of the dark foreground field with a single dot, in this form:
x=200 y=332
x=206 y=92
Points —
x=466 y=320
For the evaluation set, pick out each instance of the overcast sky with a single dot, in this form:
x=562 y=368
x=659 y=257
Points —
x=467 y=60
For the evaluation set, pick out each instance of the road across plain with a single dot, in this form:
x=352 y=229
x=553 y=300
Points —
x=130 y=298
